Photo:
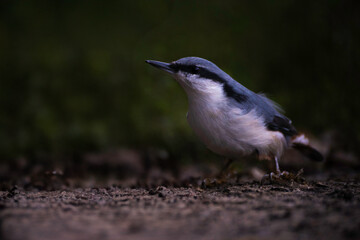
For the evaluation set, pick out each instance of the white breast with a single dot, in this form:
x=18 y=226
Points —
x=229 y=131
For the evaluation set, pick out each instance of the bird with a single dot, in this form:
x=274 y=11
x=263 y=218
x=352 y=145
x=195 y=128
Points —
x=231 y=120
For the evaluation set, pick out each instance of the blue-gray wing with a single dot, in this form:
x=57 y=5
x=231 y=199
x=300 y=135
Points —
x=274 y=120
x=270 y=111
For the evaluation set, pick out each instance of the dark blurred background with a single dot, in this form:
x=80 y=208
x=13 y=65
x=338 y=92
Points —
x=74 y=82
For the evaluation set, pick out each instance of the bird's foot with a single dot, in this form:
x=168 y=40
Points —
x=211 y=182
x=274 y=176
x=282 y=177
x=231 y=177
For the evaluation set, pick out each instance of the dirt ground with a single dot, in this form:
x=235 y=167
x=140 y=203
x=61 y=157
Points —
x=244 y=210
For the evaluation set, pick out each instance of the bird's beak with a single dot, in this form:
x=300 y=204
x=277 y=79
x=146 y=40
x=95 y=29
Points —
x=161 y=65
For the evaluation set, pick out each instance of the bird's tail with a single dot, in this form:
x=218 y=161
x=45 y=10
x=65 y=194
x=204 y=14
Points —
x=301 y=143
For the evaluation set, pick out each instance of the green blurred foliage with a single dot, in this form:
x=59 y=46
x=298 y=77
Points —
x=73 y=76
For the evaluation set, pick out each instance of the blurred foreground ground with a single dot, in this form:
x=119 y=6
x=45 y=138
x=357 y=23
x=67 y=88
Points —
x=148 y=194
x=328 y=208
x=132 y=194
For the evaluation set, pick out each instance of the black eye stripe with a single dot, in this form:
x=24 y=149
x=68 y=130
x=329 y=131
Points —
x=185 y=68
x=204 y=73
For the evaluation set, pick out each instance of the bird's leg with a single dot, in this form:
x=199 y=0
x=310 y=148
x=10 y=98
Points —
x=220 y=177
x=278 y=173
x=277 y=166
x=225 y=167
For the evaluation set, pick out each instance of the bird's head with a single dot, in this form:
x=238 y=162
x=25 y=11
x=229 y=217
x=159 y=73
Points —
x=194 y=74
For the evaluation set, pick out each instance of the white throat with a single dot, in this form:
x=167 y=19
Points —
x=201 y=91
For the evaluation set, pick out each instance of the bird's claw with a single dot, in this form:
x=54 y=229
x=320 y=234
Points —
x=211 y=182
x=273 y=176
x=282 y=176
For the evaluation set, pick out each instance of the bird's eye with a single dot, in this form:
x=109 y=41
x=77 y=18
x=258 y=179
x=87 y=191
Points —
x=174 y=67
x=195 y=70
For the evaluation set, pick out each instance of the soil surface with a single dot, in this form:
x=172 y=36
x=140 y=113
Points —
x=245 y=210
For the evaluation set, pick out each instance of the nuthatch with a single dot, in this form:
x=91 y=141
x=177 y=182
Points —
x=231 y=120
